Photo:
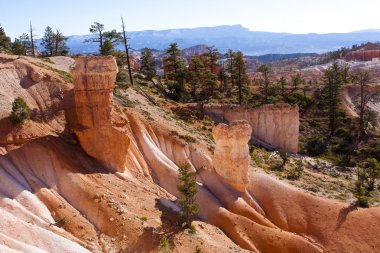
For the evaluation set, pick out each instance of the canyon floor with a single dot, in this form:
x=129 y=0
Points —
x=58 y=194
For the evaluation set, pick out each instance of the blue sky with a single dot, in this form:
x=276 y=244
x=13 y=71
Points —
x=74 y=17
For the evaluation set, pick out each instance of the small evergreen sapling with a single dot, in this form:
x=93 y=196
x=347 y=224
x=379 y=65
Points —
x=188 y=188
x=20 y=111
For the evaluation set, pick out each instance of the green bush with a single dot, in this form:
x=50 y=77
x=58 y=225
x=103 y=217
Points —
x=296 y=172
x=315 y=146
x=298 y=98
x=342 y=132
x=359 y=190
x=164 y=244
x=20 y=111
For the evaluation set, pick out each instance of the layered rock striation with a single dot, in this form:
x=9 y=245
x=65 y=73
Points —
x=94 y=79
x=231 y=155
x=273 y=125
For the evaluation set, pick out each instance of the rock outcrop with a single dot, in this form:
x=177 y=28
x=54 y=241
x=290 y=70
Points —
x=273 y=125
x=363 y=55
x=41 y=88
x=94 y=79
x=231 y=155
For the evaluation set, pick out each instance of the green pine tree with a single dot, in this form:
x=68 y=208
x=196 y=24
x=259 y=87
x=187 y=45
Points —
x=188 y=188
x=147 y=64
x=265 y=71
x=239 y=74
x=5 y=41
x=334 y=78
x=48 y=41
x=20 y=111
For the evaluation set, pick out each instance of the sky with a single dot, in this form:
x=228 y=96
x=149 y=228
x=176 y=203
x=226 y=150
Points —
x=73 y=17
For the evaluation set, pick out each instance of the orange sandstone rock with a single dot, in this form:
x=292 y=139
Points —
x=231 y=155
x=94 y=79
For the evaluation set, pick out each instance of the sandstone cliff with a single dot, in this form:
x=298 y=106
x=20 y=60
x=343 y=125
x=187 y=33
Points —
x=273 y=125
x=363 y=55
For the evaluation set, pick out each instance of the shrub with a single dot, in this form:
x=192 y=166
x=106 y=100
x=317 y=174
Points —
x=359 y=190
x=296 y=172
x=372 y=170
x=188 y=138
x=164 y=244
x=121 y=76
x=191 y=230
x=197 y=250
x=298 y=98
x=20 y=111
x=315 y=146
x=342 y=133
x=284 y=156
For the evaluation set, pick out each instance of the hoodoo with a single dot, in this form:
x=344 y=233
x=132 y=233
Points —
x=231 y=155
x=94 y=79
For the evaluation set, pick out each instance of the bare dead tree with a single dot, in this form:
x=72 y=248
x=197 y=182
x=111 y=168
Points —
x=32 y=39
x=125 y=40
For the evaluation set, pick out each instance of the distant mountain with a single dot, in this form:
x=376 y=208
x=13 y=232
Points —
x=368 y=31
x=276 y=57
x=237 y=38
x=194 y=50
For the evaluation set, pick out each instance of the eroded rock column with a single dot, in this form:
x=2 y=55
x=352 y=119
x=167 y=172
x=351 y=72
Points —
x=231 y=156
x=94 y=79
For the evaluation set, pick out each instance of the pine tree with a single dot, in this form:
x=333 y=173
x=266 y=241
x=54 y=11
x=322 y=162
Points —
x=297 y=81
x=48 y=41
x=60 y=46
x=212 y=58
x=17 y=47
x=107 y=47
x=240 y=75
x=188 y=188
x=363 y=78
x=125 y=41
x=97 y=28
x=25 y=42
x=20 y=111
x=147 y=64
x=196 y=74
x=230 y=65
x=175 y=71
x=265 y=70
x=372 y=170
x=283 y=84
x=334 y=78
x=5 y=41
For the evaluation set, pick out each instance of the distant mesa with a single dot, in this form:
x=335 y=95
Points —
x=235 y=37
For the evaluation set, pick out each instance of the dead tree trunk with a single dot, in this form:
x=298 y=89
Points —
x=127 y=51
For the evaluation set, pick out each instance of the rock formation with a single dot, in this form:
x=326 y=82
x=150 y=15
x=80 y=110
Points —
x=43 y=90
x=231 y=155
x=273 y=125
x=94 y=79
x=55 y=198
x=363 y=55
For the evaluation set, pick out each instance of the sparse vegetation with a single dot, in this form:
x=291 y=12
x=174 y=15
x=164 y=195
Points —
x=67 y=77
x=59 y=222
x=20 y=111
x=164 y=244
